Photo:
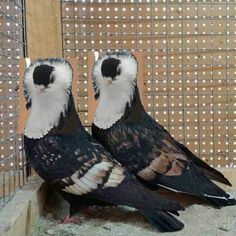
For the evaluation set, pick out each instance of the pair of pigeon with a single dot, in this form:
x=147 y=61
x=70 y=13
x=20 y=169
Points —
x=128 y=153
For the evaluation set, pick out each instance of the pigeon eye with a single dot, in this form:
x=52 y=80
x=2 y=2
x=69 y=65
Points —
x=118 y=71
x=52 y=79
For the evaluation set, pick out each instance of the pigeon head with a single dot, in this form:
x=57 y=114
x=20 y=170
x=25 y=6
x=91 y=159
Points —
x=114 y=70
x=114 y=79
x=47 y=87
x=47 y=78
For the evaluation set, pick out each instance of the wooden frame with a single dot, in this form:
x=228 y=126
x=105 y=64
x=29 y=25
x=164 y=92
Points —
x=43 y=24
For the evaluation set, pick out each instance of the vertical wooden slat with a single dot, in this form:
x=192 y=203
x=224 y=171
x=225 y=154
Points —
x=23 y=113
x=92 y=103
x=140 y=78
x=74 y=64
x=43 y=23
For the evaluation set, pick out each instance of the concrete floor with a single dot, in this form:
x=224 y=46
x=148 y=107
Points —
x=199 y=219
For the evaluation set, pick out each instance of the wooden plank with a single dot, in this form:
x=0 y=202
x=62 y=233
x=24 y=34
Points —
x=43 y=23
x=140 y=78
x=92 y=103
x=23 y=113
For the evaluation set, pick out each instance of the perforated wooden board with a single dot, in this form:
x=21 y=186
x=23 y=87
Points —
x=11 y=50
x=189 y=54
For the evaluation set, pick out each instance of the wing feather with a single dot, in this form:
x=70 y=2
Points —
x=81 y=170
x=104 y=174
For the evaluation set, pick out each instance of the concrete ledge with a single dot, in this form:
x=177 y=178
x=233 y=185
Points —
x=20 y=214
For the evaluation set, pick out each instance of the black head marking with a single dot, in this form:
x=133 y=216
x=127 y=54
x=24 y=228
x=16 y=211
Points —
x=110 y=67
x=42 y=74
x=28 y=104
x=96 y=90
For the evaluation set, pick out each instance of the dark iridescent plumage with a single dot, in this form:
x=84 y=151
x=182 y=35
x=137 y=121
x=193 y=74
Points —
x=146 y=149
x=85 y=174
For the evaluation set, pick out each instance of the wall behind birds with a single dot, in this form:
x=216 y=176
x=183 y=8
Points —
x=12 y=47
x=188 y=63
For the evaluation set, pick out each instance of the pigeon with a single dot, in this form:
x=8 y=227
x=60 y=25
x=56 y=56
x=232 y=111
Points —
x=138 y=142
x=71 y=160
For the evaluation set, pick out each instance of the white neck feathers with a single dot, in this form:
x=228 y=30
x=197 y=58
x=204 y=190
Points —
x=46 y=107
x=45 y=113
x=112 y=103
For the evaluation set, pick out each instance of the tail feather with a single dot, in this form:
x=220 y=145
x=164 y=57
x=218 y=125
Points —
x=163 y=221
x=193 y=181
x=153 y=201
x=157 y=209
x=221 y=201
x=208 y=171
x=154 y=207
x=174 y=213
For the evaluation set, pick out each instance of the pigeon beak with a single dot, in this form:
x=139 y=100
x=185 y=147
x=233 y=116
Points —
x=40 y=88
x=108 y=80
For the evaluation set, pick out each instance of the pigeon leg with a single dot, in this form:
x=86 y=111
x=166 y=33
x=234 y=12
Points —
x=71 y=220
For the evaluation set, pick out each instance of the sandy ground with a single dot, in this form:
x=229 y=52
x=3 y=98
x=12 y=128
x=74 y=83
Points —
x=199 y=218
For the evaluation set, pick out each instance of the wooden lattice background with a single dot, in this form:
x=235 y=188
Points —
x=12 y=46
x=188 y=63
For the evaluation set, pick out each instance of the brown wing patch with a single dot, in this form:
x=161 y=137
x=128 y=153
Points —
x=176 y=168
x=166 y=164
x=160 y=164
x=147 y=173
